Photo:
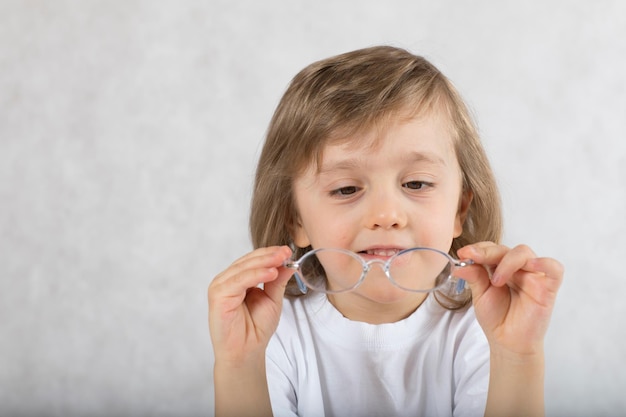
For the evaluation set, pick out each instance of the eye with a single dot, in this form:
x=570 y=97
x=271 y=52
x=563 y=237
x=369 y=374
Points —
x=416 y=185
x=344 y=191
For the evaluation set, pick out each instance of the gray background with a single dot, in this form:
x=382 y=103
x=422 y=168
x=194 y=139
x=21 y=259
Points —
x=129 y=131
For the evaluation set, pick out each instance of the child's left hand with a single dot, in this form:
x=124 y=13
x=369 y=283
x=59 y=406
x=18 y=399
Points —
x=513 y=293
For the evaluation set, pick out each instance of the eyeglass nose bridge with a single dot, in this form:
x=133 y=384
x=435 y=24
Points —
x=367 y=267
x=386 y=267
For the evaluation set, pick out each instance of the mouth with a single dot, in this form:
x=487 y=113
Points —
x=380 y=252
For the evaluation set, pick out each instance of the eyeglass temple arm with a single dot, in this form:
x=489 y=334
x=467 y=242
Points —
x=291 y=264
x=460 y=285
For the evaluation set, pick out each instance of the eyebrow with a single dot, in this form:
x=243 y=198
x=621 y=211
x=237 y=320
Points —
x=341 y=165
x=349 y=164
x=427 y=157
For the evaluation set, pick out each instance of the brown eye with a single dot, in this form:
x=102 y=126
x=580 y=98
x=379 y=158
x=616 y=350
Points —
x=345 y=190
x=414 y=185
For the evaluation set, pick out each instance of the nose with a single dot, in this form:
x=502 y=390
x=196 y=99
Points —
x=385 y=211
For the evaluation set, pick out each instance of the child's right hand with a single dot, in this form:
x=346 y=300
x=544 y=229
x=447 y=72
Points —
x=243 y=317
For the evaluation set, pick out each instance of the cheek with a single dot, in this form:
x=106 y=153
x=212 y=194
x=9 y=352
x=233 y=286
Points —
x=443 y=220
x=328 y=231
x=327 y=227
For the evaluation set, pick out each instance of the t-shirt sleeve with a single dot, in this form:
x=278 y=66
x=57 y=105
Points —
x=471 y=374
x=280 y=385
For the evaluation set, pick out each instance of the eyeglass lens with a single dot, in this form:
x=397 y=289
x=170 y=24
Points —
x=331 y=270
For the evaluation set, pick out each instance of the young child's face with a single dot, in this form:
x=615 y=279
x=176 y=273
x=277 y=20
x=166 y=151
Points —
x=378 y=195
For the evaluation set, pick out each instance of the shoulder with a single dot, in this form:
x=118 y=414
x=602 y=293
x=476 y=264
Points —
x=432 y=318
x=294 y=313
x=462 y=335
x=294 y=327
x=291 y=361
x=456 y=322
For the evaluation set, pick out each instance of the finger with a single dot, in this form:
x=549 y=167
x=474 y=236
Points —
x=248 y=273
x=229 y=294
x=270 y=257
x=260 y=254
x=476 y=278
x=499 y=261
x=551 y=268
x=512 y=261
x=276 y=289
x=484 y=253
x=478 y=275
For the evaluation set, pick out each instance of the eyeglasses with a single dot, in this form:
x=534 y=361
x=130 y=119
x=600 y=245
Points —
x=333 y=270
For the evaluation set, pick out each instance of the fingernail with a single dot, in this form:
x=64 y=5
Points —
x=495 y=278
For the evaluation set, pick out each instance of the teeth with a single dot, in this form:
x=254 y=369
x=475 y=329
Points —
x=382 y=252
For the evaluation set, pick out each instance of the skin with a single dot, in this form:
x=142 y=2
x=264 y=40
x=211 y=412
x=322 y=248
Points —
x=400 y=191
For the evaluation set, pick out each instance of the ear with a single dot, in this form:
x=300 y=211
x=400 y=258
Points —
x=464 y=205
x=299 y=235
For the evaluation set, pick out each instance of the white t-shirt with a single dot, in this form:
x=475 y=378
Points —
x=433 y=363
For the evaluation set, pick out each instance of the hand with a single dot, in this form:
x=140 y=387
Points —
x=243 y=317
x=513 y=294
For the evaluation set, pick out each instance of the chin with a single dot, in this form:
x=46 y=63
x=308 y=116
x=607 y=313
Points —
x=390 y=294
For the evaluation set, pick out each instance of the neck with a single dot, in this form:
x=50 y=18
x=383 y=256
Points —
x=357 y=308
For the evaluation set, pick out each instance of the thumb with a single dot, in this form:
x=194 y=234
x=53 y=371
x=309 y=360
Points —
x=476 y=276
x=276 y=289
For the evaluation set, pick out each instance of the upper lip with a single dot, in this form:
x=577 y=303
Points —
x=394 y=248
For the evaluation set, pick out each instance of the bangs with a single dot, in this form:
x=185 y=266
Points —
x=368 y=131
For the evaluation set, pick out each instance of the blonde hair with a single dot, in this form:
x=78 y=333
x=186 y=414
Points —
x=349 y=93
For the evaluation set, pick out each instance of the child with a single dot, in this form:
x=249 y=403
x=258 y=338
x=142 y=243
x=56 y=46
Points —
x=371 y=153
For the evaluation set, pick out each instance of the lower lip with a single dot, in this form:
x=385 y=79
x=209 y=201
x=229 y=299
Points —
x=368 y=256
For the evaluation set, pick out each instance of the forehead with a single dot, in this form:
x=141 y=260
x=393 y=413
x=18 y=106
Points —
x=425 y=139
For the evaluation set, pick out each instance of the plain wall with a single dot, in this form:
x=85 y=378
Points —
x=129 y=131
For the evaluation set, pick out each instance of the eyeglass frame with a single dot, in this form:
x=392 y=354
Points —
x=304 y=285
